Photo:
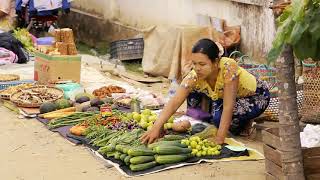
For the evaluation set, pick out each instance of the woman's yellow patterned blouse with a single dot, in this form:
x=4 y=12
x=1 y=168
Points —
x=228 y=71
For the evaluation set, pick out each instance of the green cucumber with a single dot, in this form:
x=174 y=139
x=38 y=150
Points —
x=167 y=150
x=140 y=152
x=123 y=156
x=167 y=143
x=170 y=159
x=117 y=155
x=140 y=167
x=173 y=137
x=127 y=160
x=141 y=159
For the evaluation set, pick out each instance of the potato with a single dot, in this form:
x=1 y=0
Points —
x=181 y=126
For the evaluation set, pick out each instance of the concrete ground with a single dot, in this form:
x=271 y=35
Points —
x=31 y=152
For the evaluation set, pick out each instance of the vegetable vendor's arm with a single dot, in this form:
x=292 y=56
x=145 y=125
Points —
x=229 y=99
x=231 y=80
x=172 y=106
x=175 y=102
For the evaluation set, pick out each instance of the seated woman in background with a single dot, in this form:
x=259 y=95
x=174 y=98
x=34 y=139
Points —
x=217 y=91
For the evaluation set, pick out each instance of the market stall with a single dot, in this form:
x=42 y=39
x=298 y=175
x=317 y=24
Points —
x=111 y=120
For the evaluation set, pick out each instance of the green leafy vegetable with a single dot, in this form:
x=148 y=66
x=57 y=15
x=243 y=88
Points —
x=25 y=38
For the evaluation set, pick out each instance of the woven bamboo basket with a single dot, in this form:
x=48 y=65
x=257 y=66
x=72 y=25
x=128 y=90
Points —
x=311 y=93
x=272 y=110
x=56 y=92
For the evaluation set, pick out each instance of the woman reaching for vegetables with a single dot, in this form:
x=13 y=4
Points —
x=218 y=91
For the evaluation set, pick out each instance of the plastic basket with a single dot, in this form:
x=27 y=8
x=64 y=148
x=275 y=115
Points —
x=5 y=85
x=127 y=49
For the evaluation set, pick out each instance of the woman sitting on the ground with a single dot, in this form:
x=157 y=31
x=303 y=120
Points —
x=217 y=91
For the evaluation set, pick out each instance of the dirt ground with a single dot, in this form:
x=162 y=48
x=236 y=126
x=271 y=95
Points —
x=29 y=151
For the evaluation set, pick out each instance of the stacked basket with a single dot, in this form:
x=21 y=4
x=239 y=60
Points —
x=311 y=91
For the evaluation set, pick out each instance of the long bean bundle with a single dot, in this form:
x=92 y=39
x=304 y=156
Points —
x=70 y=120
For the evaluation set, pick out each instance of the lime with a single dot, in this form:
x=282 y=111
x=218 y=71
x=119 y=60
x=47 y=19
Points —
x=144 y=125
x=150 y=123
x=193 y=138
x=198 y=139
x=187 y=142
x=169 y=125
x=204 y=153
x=199 y=154
x=183 y=141
x=193 y=144
x=146 y=112
x=136 y=117
x=216 y=153
x=152 y=118
x=198 y=147
x=204 y=148
x=195 y=150
x=144 y=117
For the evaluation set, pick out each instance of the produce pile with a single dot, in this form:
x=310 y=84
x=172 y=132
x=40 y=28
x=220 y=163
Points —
x=70 y=120
x=25 y=38
x=147 y=100
x=116 y=134
x=36 y=95
x=107 y=91
x=147 y=118
x=125 y=146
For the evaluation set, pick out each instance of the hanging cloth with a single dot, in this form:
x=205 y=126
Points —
x=47 y=5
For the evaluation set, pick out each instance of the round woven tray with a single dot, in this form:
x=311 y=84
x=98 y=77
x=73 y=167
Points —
x=52 y=90
x=6 y=96
x=8 y=77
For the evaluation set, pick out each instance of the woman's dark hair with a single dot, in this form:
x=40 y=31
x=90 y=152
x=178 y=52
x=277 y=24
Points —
x=207 y=47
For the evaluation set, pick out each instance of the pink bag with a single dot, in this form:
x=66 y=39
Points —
x=7 y=57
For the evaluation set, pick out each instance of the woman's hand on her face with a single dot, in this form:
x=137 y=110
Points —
x=152 y=135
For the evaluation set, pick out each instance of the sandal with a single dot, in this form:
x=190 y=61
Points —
x=248 y=130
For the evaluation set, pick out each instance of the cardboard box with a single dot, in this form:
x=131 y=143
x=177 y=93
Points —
x=49 y=68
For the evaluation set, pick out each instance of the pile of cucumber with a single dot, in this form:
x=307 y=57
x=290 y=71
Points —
x=168 y=151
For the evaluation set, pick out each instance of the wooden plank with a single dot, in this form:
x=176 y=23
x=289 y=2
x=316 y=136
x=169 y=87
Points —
x=140 y=77
x=270 y=177
x=272 y=154
x=313 y=176
x=270 y=139
x=312 y=165
x=311 y=152
x=273 y=169
x=253 y=2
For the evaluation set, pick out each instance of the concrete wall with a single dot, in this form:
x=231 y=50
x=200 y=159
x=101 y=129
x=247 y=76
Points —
x=255 y=18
